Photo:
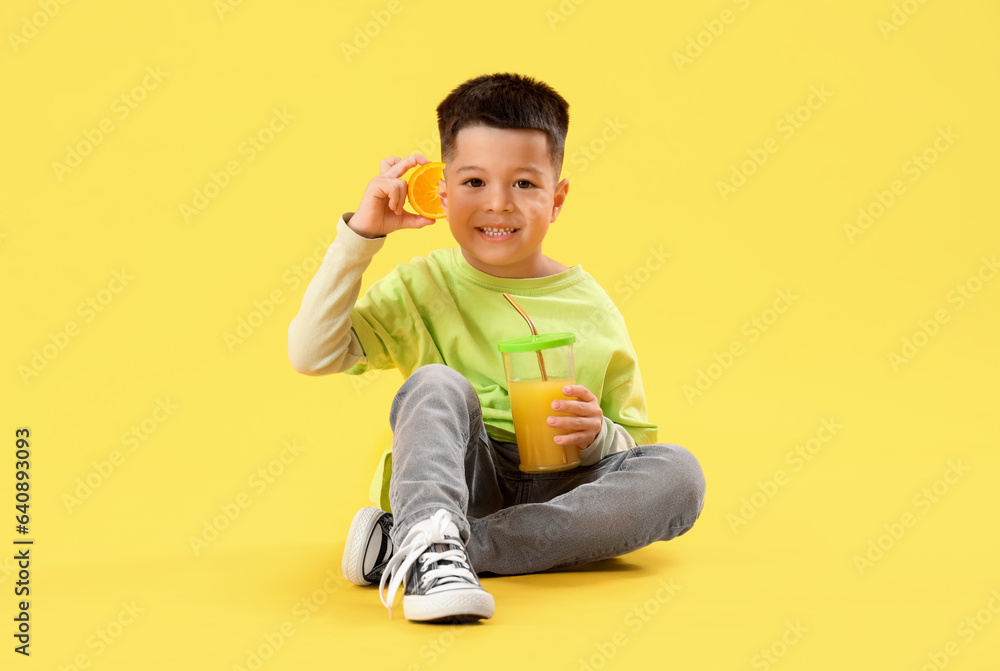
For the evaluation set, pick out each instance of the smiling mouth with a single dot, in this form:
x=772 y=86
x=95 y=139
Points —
x=497 y=231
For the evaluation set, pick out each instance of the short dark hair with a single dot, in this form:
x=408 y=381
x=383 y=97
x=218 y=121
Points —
x=505 y=100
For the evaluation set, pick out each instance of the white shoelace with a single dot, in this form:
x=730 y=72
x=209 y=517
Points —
x=421 y=536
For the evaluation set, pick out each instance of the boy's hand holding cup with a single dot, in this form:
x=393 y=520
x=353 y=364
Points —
x=554 y=418
x=581 y=418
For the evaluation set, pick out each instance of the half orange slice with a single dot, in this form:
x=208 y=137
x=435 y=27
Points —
x=422 y=190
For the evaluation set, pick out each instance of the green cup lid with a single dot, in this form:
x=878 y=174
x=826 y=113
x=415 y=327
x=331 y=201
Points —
x=536 y=342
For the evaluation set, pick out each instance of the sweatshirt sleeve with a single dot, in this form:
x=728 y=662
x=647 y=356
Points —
x=625 y=424
x=320 y=338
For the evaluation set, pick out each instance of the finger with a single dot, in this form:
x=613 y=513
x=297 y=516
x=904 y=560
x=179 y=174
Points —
x=411 y=220
x=573 y=423
x=387 y=163
x=392 y=194
x=579 y=408
x=402 y=165
x=580 y=439
x=400 y=187
x=579 y=391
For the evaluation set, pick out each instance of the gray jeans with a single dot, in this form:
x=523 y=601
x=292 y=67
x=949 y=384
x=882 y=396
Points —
x=514 y=522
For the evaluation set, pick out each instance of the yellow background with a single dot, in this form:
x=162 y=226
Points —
x=651 y=184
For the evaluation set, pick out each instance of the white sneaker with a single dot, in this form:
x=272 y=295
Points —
x=440 y=583
x=368 y=547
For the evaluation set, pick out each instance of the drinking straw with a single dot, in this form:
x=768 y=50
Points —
x=531 y=325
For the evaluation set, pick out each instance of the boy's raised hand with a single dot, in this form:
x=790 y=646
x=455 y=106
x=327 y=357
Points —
x=381 y=210
x=586 y=417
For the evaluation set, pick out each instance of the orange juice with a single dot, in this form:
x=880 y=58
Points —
x=531 y=406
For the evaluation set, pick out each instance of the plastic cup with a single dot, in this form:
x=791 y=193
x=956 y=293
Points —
x=531 y=394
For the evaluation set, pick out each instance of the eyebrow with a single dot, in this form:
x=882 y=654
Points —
x=469 y=168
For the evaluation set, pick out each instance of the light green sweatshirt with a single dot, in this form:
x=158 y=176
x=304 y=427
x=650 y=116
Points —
x=439 y=309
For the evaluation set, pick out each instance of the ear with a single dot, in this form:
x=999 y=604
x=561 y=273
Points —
x=562 y=188
x=443 y=195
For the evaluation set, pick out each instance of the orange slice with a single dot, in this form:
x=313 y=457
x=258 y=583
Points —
x=421 y=190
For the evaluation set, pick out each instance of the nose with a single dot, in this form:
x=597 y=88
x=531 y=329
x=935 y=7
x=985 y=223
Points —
x=497 y=199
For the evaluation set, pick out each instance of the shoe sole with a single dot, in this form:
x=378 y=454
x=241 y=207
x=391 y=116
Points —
x=459 y=606
x=352 y=565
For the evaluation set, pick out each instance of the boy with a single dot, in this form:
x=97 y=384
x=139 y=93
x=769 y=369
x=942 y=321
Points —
x=459 y=503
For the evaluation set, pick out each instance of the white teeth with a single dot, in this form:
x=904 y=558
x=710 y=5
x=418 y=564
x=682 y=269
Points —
x=493 y=232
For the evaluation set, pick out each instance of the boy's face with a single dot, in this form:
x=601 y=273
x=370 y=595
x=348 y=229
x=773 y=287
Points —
x=502 y=179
